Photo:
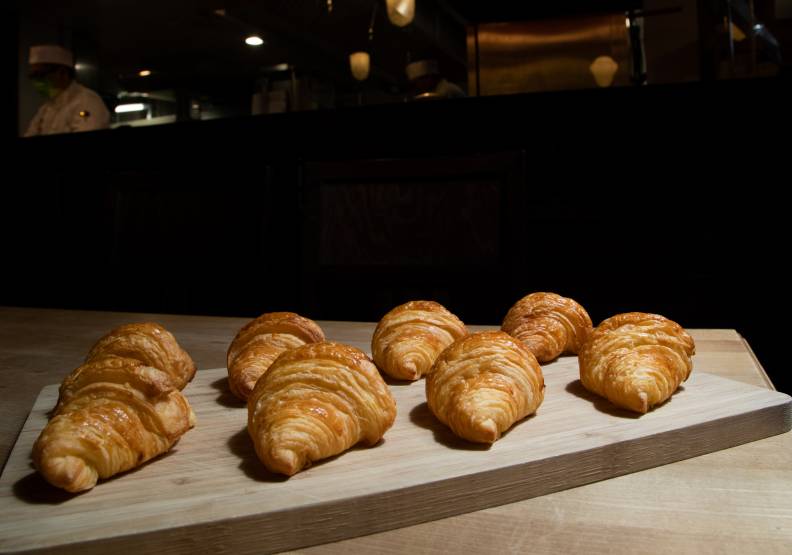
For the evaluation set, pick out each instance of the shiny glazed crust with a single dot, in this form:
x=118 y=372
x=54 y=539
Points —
x=113 y=414
x=482 y=384
x=636 y=360
x=260 y=342
x=317 y=401
x=152 y=345
x=409 y=338
x=549 y=325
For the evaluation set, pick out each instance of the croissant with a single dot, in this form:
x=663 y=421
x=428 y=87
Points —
x=113 y=414
x=636 y=360
x=317 y=401
x=260 y=342
x=482 y=384
x=548 y=324
x=152 y=345
x=409 y=338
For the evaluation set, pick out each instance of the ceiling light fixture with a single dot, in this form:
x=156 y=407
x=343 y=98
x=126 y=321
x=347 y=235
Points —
x=400 y=12
x=604 y=70
x=254 y=40
x=144 y=72
x=360 y=64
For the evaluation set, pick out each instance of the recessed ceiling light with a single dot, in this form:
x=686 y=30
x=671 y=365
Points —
x=254 y=40
x=144 y=72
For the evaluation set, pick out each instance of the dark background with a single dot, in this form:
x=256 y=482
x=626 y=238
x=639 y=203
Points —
x=198 y=57
x=667 y=199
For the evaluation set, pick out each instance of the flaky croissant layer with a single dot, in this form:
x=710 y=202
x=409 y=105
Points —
x=482 y=384
x=113 y=414
x=409 y=338
x=152 y=345
x=260 y=342
x=317 y=401
x=548 y=324
x=636 y=360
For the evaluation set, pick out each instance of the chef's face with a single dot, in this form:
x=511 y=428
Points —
x=48 y=79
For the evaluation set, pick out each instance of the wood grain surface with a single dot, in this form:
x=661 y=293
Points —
x=211 y=488
x=730 y=501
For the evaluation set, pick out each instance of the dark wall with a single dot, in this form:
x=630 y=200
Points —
x=665 y=199
x=9 y=96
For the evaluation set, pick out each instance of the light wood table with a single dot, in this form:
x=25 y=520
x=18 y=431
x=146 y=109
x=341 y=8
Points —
x=736 y=500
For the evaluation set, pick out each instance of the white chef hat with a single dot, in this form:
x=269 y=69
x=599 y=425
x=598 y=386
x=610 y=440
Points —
x=51 y=54
x=421 y=68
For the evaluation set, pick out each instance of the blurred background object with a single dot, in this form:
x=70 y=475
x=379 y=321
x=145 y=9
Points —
x=205 y=60
x=347 y=196
x=67 y=105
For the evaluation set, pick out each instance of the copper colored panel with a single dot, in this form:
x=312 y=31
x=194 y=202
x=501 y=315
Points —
x=546 y=55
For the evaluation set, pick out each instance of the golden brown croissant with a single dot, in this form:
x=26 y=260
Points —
x=636 y=360
x=548 y=324
x=484 y=383
x=113 y=414
x=260 y=342
x=317 y=401
x=152 y=345
x=409 y=338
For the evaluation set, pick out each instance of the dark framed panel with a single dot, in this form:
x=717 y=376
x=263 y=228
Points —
x=206 y=240
x=380 y=232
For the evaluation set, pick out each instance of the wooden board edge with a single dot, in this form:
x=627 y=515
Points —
x=22 y=428
x=759 y=368
x=13 y=446
x=327 y=522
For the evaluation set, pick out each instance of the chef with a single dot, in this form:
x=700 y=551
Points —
x=68 y=106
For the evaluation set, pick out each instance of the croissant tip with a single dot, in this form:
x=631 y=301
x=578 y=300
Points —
x=69 y=472
x=285 y=461
x=488 y=431
x=644 y=402
x=410 y=371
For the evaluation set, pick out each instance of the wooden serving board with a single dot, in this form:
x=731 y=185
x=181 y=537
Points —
x=210 y=493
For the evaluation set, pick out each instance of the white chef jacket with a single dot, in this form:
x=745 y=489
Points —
x=77 y=108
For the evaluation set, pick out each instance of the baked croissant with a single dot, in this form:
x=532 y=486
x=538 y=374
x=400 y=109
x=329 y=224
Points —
x=260 y=342
x=482 y=384
x=113 y=414
x=152 y=345
x=636 y=360
x=409 y=338
x=317 y=401
x=548 y=324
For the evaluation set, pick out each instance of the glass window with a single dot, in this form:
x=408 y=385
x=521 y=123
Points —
x=101 y=64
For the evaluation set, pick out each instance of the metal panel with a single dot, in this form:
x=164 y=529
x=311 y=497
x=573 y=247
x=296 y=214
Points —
x=546 y=55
